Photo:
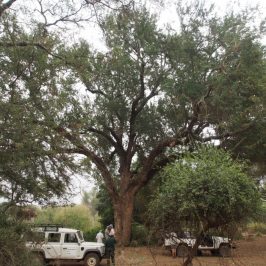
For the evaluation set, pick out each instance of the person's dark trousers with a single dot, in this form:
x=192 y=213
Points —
x=110 y=255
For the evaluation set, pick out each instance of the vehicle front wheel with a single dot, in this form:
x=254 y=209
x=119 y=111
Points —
x=182 y=251
x=225 y=251
x=91 y=259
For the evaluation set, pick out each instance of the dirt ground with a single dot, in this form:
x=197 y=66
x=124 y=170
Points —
x=251 y=252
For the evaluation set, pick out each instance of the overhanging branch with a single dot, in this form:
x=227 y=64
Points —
x=5 y=6
x=34 y=44
x=81 y=149
x=223 y=135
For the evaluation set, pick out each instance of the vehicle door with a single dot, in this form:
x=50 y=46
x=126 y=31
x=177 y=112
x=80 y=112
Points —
x=70 y=246
x=52 y=246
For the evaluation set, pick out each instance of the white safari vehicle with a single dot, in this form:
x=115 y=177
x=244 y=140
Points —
x=54 y=242
x=215 y=244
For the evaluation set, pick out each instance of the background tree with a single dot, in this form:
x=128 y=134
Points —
x=30 y=171
x=204 y=190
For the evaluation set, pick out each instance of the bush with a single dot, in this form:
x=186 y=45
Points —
x=140 y=235
x=13 y=251
x=258 y=228
x=262 y=214
x=78 y=217
x=91 y=234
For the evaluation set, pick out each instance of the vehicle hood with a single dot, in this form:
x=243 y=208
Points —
x=92 y=244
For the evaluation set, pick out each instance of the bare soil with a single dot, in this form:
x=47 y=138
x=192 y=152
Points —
x=250 y=252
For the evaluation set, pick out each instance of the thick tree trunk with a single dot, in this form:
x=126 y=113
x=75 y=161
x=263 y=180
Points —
x=123 y=213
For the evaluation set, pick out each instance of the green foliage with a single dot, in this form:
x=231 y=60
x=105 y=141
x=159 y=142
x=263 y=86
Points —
x=261 y=217
x=126 y=110
x=91 y=234
x=104 y=207
x=258 y=228
x=206 y=189
x=13 y=251
x=29 y=169
x=78 y=217
x=140 y=234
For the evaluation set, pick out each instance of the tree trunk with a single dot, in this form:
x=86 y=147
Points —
x=192 y=252
x=123 y=213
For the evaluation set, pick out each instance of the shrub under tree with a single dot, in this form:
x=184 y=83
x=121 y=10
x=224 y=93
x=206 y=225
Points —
x=206 y=189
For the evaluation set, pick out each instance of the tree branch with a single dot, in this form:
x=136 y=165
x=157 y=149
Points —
x=5 y=6
x=35 y=44
x=149 y=168
x=81 y=149
x=224 y=135
x=115 y=144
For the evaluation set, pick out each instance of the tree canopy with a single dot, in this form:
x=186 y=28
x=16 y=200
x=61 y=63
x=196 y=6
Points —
x=206 y=188
x=123 y=114
x=203 y=190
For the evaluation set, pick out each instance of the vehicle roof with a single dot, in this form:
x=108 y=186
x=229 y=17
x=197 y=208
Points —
x=58 y=230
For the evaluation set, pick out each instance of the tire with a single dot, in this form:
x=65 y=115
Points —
x=182 y=251
x=91 y=259
x=224 y=251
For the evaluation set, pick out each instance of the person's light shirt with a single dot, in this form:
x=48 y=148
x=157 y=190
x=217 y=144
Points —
x=99 y=237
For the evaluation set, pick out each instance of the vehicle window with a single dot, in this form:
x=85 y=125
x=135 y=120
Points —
x=54 y=237
x=71 y=238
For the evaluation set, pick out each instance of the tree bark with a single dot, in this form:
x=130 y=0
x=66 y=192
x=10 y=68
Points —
x=123 y=213
x=192 y=252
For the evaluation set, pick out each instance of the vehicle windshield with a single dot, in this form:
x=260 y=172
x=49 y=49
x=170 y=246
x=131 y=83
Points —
x=80 y=236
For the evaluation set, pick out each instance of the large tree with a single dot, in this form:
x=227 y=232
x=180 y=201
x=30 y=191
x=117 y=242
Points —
x=152 y=93
x=126 y=111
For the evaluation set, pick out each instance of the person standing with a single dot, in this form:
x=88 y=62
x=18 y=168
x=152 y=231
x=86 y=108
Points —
x=110 y=249
x=99 y=237
x=112 y=230
x=107 y=232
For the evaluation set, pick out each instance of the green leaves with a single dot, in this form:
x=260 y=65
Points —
x=205 y=187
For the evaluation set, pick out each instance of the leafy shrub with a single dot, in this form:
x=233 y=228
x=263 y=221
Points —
x=258 y=228
x=91 y=234
x=262 y=214
x=78 y=217
x=13 y=251
x=140 y=235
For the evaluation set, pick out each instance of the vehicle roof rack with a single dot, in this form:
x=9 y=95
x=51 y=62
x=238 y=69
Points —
x=49 y=227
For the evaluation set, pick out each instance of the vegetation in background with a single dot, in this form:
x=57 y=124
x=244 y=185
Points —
x=78 y=216
x=204 y=190
x=13 y=251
